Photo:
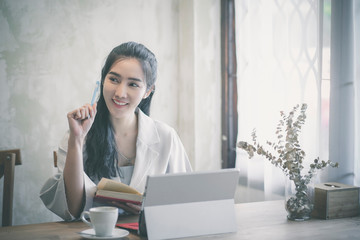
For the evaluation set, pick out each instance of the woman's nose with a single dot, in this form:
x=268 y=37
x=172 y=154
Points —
x=121 y=90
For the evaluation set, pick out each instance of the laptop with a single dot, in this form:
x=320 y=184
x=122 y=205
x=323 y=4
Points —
x=189 y=204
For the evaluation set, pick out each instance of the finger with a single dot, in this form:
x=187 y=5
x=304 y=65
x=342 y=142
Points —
x=86 y=112
x=86 y=109
x=117 y=204
x=135 y=209
x=74 y=114
x=93 y=110
x=134 y=206
x=131 y=210
x=126 y=208
x=78 y=114
x=83 y=113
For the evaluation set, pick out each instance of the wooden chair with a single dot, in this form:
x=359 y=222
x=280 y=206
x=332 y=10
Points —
x=55 y=158
x=8 y=160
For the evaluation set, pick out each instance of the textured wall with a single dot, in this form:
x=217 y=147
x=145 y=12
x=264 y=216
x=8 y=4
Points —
x=200 y=82
x=51 y=53
x=207 y=84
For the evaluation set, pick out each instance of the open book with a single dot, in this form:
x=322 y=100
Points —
x=110 y=190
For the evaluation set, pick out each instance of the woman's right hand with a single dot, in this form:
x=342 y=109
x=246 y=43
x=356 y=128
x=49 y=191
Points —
x=81 y=119
x=128 y=207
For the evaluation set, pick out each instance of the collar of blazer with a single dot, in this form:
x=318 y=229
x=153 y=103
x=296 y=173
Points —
x=147 y=132
x=146 y=151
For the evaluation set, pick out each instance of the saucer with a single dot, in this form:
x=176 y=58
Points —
x=117 y=233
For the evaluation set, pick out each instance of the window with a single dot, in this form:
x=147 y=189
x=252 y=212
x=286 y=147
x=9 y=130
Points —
x=280 y=47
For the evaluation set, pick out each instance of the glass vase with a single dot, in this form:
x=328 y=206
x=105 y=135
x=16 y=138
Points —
x=298 y=200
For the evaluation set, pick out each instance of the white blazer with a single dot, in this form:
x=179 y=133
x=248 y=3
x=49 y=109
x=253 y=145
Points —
x=158 y=151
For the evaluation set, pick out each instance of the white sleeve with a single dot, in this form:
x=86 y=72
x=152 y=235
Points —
x=53 y=191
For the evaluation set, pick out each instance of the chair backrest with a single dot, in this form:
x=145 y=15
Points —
x=8 y=160
x=55 y=158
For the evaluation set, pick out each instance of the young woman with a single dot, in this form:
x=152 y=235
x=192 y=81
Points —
x=114 y=138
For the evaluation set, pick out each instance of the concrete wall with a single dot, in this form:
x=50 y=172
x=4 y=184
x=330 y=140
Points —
x=200 y=81
x=51 y=54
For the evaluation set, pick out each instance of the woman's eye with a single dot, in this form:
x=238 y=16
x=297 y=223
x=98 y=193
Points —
x=133 y=85
x=112 y=79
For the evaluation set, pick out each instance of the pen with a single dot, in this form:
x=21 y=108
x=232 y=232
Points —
x=95 y=93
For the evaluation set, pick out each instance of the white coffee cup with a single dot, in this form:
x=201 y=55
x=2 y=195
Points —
x=102 y=220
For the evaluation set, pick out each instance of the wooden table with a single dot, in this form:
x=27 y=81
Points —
x=54 y=230
x=258 y=220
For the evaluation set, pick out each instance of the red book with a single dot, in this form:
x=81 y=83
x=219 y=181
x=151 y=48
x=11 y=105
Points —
x=129 y=226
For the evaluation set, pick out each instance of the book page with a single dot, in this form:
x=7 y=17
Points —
x=112 y=185
x=119 y=196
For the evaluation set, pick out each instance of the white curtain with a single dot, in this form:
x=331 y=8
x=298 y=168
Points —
x=345 y=91
x=279 y=49
x=356 y=20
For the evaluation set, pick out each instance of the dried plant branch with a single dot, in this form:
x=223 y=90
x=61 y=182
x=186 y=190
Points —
x=286 y=153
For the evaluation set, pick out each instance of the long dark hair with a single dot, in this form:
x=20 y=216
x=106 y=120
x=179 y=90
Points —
x=101 y=151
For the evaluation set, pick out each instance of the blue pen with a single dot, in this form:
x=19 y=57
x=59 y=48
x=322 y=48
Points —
x=95 y=93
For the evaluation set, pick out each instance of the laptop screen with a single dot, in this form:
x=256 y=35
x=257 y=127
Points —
x=189 y=187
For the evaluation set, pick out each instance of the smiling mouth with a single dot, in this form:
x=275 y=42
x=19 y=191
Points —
x=119 y=103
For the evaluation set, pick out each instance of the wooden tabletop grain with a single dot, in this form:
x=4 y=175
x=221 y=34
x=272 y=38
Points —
x=257 y=220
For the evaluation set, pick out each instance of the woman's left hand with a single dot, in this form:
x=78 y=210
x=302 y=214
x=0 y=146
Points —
x=128 y=207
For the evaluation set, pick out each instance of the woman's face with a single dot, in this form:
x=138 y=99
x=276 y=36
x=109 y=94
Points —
x=124 y=87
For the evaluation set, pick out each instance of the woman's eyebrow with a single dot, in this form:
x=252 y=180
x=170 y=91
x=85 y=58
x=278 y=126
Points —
x=130 y=78
x=114 y=73
x=135 y=79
